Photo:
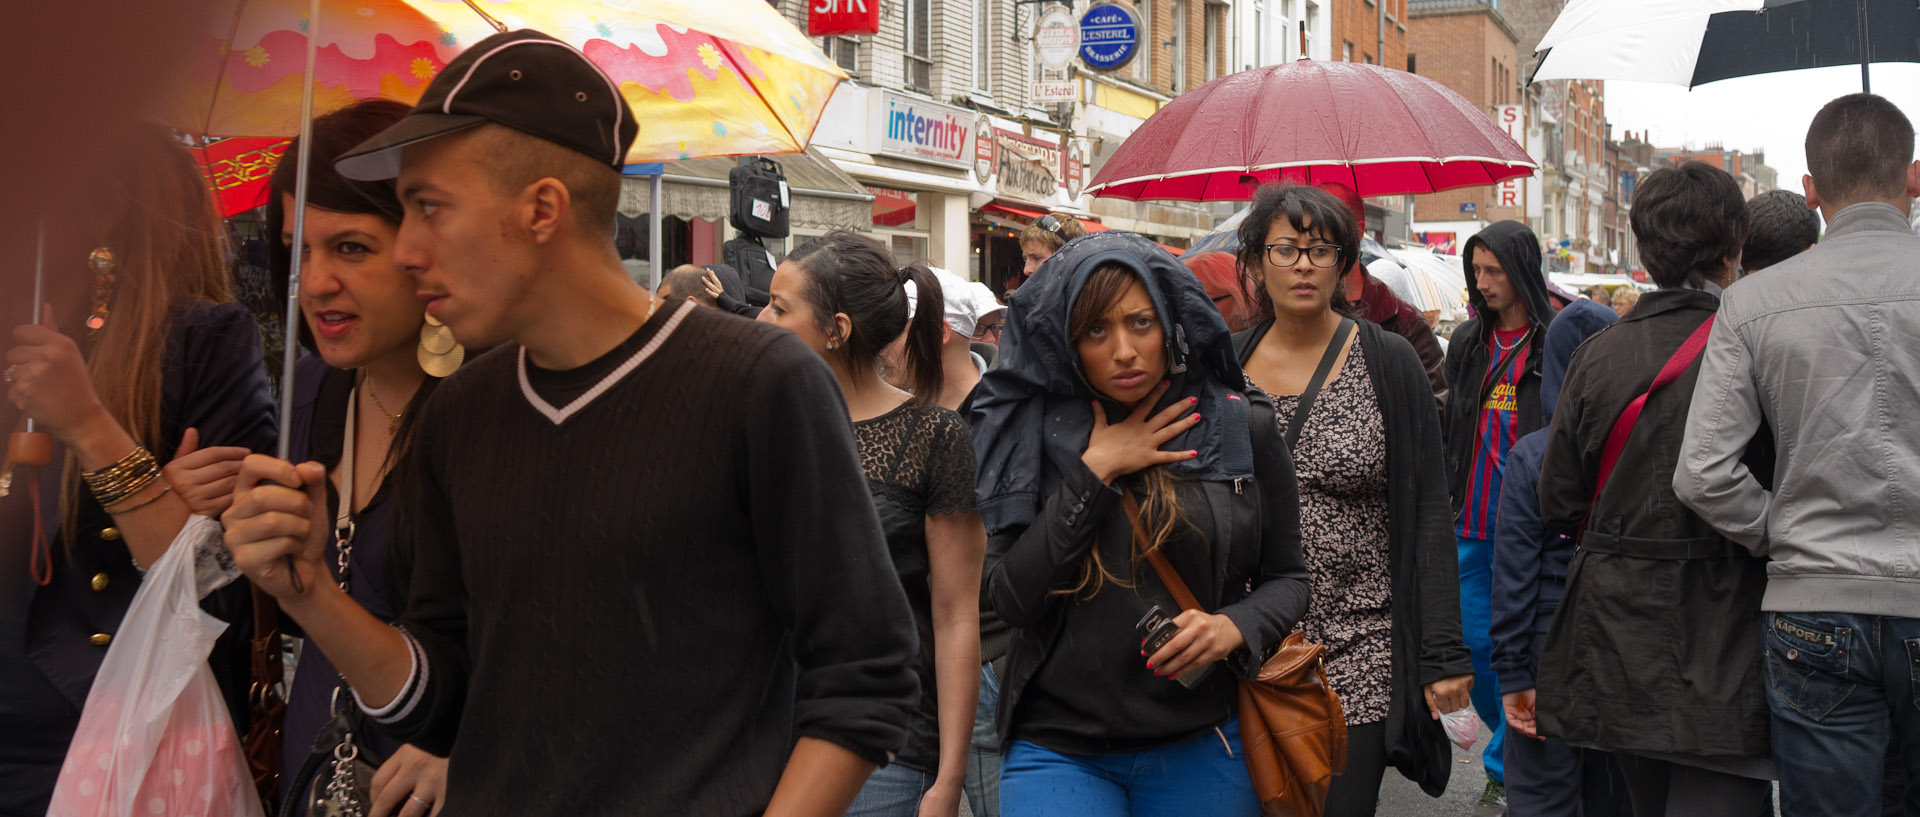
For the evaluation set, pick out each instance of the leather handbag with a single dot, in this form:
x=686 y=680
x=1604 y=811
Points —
x=267 y=709
x=1293 y=731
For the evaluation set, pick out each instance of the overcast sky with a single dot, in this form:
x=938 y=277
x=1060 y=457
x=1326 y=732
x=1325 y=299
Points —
x=1769 y=111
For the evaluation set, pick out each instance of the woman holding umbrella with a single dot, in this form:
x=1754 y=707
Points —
x=1374 y=517
x=139 y=357
x=1118 y=431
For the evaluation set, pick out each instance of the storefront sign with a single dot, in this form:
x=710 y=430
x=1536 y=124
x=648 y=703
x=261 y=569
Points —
x=1056 y=37
x=1076 y=170
x=1056 y=91
x=1512 y=119
x=1443 y=243
x=982 y=148
x=894 y=208
x=830 y=17
x=1023 y=174
x=1109 y=36
x=928 y=131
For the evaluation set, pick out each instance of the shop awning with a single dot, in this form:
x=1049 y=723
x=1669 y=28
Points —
x=822 y=196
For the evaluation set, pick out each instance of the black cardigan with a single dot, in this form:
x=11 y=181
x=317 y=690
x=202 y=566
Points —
x=1025 y=563
x=1427 y=644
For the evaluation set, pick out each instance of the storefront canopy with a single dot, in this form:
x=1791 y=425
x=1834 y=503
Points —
x=822 y=196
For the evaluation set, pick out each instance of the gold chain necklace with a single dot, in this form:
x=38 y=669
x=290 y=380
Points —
x=393 y=422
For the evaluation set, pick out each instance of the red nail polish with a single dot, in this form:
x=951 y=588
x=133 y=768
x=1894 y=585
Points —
x=1192 y=454
x=1150 y=666
x=1196 y=417
x=1193 y=401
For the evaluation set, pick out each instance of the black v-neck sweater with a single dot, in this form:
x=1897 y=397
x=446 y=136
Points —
x=637 y=607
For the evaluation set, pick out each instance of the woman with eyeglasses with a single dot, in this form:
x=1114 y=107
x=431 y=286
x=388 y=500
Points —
x=1353 y=403
x=1040 y=240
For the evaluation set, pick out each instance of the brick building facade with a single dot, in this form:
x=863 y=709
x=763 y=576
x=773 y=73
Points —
x=1467 y=46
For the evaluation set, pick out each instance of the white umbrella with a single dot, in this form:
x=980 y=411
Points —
x=1691 y=42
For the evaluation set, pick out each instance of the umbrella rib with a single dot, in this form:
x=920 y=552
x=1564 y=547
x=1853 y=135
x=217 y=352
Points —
x=226 y=53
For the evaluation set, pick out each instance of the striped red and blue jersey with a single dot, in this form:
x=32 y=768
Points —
x=1499 y=430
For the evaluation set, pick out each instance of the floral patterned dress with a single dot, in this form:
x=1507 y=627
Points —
x=1341 y=464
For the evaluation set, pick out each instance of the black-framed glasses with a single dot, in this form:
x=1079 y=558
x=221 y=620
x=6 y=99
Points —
x=988 y=330
x=1286 y=255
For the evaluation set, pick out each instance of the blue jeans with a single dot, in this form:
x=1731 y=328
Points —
x=983 y=755
x=1198 y=777
x=891 y=791
x=1845 y=694
x=1476 y=624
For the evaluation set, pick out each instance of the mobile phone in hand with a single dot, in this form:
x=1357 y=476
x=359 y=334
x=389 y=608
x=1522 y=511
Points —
x=1156 y=628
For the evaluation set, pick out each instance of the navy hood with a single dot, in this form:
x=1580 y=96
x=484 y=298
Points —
x=1519 y=253
x=1581 y=319
x=1034 y=409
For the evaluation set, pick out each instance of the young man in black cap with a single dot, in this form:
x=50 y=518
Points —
x=604 y=618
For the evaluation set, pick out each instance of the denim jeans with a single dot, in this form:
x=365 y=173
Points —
x=1202 y=776
x=891 y=791
x=1476 y=625
x=983 y=755
x=1845 y=693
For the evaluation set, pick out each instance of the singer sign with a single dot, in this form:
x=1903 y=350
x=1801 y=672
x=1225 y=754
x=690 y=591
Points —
x=827 y=18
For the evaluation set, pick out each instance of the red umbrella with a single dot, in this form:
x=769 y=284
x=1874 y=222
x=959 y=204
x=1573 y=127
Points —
x=1377 y=130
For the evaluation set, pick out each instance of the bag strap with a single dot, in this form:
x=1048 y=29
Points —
x=1320 y=373
x=1623 y=427
x=1168 y=576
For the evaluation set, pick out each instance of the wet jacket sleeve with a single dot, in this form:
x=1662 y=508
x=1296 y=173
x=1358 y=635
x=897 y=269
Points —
x=1711 y=477
x=1518 y=545
x=1571 y=463
x=1025 y=564
x=1280 y=589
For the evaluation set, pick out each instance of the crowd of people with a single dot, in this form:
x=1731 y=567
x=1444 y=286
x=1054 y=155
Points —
x=556 y=544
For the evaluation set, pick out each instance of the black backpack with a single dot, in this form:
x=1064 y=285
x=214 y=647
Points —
x=758 y=199
x=755 y=264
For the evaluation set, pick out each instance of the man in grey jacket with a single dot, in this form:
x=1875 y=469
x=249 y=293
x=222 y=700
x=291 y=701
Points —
x=1823 y=347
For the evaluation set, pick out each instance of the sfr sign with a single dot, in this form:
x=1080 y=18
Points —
x=831 y=17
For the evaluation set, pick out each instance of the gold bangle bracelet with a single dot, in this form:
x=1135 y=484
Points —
x=119 y=491
x=164 y=488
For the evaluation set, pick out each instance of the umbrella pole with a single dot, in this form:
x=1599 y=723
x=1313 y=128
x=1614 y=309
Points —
x=1866 y=83
x=290 y=325
x=31 y=447
x=653 y=231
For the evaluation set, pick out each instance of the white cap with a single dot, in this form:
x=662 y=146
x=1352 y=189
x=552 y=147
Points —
x=965 y=301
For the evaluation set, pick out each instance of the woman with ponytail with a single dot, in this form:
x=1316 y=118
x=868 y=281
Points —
x=843 y=296
x=1117 y=387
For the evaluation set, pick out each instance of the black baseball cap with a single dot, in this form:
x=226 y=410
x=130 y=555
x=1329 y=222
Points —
x=525 y=80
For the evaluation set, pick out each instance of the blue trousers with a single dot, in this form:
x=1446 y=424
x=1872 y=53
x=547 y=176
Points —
x=1202 y=776
x=1476 y=624
x=891 y=791
x=1845 y=694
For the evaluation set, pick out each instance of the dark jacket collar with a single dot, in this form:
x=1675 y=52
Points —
x=1662 y=301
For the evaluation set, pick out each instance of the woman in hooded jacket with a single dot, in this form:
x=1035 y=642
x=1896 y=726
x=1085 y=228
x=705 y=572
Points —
x=1117 y=390
x=1374 y=521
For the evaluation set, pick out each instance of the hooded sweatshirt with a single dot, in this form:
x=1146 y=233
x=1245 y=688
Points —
x=1529 y=567
x=1476 y=448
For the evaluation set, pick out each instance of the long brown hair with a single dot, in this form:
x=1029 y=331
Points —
x=169 y=249
x=1160 y=511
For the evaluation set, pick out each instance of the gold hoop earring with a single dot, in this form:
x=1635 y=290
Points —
x=102 y=262
x=439 y=353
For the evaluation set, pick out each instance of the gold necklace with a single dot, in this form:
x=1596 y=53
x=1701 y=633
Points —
x=393 y=422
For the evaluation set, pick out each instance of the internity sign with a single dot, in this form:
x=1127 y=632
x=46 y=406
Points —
x=1109 y=36
x=923 y=130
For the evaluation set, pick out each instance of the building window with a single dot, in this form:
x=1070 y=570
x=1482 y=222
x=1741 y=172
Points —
x=1307 y=28
x=919 y=41
x=983 y=45
x=845 y=52
x=1211 y=42
x=1410 y=63
x=1346 y=52
x=1259 y=35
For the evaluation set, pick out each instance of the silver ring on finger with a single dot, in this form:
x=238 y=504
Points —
x=423 y=804
x=10 y=371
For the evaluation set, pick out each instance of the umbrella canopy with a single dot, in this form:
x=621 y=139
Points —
x=713 y=78
x=1427 y=281
x=1377 y=130
x=1692 y=42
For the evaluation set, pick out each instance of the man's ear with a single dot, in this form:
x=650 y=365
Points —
x=1813 y=196
x=549 y=204
x=1913 y=180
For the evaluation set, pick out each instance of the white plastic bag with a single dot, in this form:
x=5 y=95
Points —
x=1463 y=727
x=155 y=739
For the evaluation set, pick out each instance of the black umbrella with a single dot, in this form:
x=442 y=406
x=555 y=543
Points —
x=1692 y=42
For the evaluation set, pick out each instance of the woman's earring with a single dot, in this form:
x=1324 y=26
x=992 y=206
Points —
x=439 y=354
x=102 y=262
